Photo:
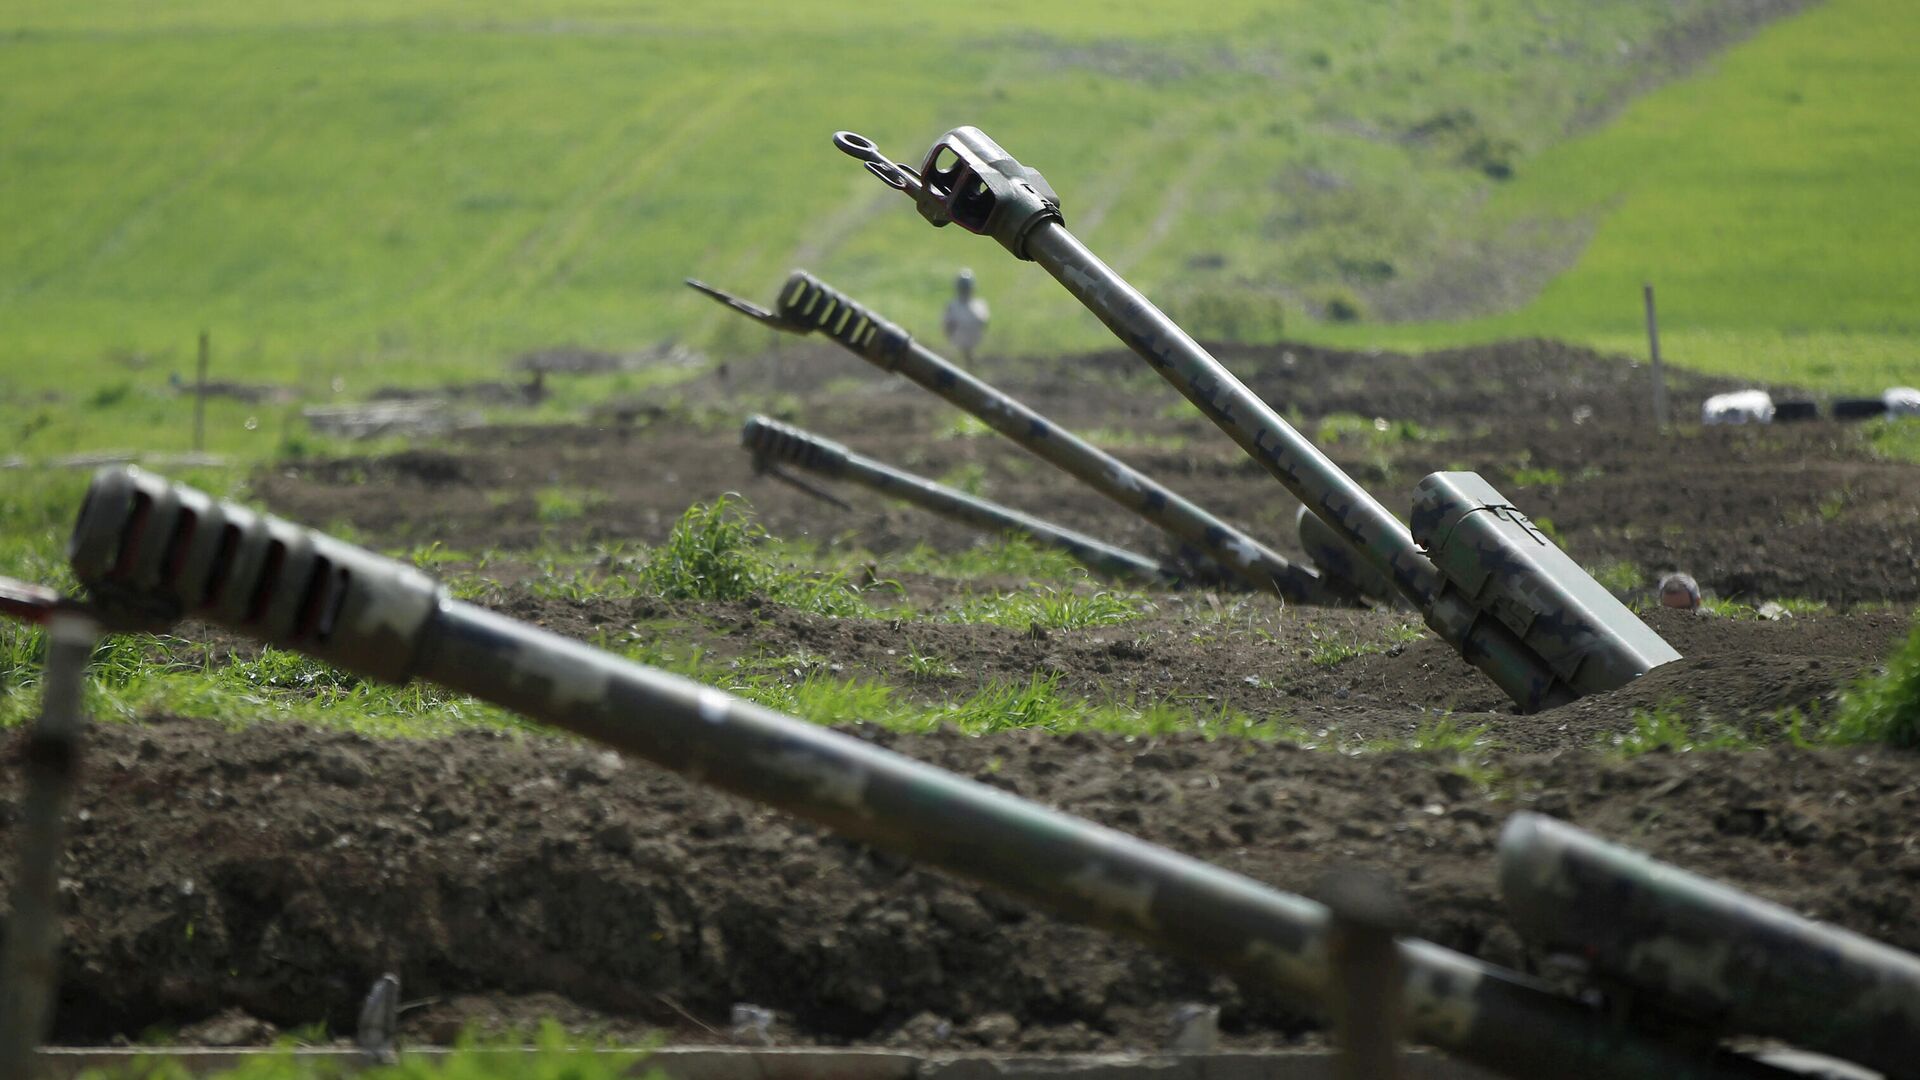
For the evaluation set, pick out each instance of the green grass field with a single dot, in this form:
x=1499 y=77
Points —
x=382 y=194
x=1770 y=199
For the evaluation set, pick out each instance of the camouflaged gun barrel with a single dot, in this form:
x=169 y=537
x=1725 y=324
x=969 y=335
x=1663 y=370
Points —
x=1708 y=952
x=772 y=441
x=29 y=965
x=155 y=550
x=1543 y=641
x=1337 y=560
x=809 y=304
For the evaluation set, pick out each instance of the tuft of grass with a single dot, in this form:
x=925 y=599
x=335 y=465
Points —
x=969 y=477
x=708 y=556
x=1666 y=729
x=928 y=666
x=1799 y=605
x=557 y=504
x=1051 y=609
x=552 y=1055
x=1038 y=703
x=1332 y=649
x=1619 y=575
x=1895 y=439
x=966 y=426
x=713 y=553
x=1447 y=735
x=1009 y=556
x=1728 y=609
x=1884 y=708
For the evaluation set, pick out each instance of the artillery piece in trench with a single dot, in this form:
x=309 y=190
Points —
x=1484 y=579
x=149 y=552
x=1204 y=542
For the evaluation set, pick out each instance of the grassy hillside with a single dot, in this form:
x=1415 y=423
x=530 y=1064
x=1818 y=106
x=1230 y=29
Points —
x=393 y=192
x=1770 y=199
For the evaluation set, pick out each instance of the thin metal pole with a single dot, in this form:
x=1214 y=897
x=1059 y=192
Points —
x=1653 y=348
x=30 y=968
x=200 y=395
x=1363 y=916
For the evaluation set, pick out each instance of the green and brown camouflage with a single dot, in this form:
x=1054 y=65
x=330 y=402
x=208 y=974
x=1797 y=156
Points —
x=771 y=441
x=969 y=180
x=808 y=304
x=29 y=965
x=1337 y=561
x=156 y=549
x=1718 y=957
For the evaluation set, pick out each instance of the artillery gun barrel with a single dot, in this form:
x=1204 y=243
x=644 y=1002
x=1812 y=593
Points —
x=1499 y=579
x=28 y=967
x=807 y=304
x=1337 y=560
x=772 y=441
x=160 y=549
x=1709 y=952
x=1335 y=498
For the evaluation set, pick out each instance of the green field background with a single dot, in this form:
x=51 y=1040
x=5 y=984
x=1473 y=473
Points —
x=362 y=193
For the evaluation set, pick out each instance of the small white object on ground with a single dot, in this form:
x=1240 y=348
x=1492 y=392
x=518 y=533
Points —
x=1902 y=401
x=751 y=1025
x=1680 y=591
x=1738 y=407
x=1194 y=1029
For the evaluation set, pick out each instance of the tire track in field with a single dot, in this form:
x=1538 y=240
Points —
x=502 y=243
x=138 y=219
x=1146 y=144
x=695 y=127
x=1174 y=202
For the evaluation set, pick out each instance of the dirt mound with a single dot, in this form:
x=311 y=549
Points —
x=279 y=870
x=1753 y=513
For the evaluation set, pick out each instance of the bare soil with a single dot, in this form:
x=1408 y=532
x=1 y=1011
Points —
x=277 y=870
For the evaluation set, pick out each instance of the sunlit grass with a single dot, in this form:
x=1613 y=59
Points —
x=360 y=192
x=1768 y=198
x=548 y=1053
x=1048 y=608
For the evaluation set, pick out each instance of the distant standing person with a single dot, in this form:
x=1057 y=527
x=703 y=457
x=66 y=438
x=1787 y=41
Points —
x=965 y=320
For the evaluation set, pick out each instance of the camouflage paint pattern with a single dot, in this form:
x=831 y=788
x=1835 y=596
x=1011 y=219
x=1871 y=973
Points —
x=1347 y=509
x=772 y=441
x=1486 y=548
x=809 y=304
x=1074 y=867
x=29 y=967
x=1336 y=560
x=1708 y=952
